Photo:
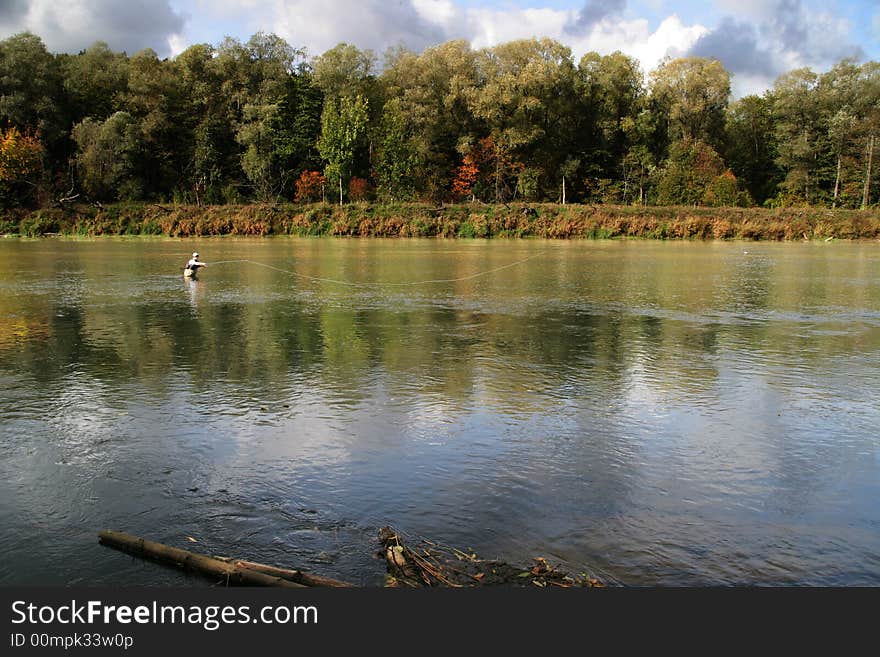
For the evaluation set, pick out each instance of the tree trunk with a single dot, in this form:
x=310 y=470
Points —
x=340 y=189
x=563 y=190
x=836 y=183
x=297 y=576
x=230 y=573
x=866 y=194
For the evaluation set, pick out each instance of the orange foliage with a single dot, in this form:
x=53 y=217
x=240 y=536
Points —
x=473 y=164
x=309 y=187
x=465 y=178
x=359 y=189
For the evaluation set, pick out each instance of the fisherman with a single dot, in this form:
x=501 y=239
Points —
x=193 y=265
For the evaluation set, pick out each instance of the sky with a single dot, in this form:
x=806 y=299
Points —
x=757 y=40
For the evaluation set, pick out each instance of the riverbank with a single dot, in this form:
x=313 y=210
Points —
x=464 y=220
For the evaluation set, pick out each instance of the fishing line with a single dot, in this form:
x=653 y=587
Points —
x=334 y=281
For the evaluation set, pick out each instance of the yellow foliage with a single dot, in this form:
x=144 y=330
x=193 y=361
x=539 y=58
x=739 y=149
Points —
x=21 y=155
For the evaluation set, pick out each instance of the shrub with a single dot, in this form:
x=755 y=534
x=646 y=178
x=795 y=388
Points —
x=310 y=187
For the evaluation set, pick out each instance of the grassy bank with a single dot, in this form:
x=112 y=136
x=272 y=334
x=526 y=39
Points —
x=466 y=220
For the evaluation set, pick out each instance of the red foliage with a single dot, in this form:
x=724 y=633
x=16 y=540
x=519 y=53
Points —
x=309 y=187
x=359 y=189
x=465 y=177
x=477 y=161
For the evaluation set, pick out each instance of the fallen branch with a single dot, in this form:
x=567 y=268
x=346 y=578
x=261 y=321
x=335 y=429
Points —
x=298 y=576
x=231 y=573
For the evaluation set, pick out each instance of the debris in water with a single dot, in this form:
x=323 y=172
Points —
x=431 y=564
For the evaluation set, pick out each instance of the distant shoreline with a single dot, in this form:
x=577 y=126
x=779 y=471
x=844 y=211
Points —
x=467 y=220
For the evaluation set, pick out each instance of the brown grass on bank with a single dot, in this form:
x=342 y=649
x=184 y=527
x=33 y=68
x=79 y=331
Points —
x=463 y=220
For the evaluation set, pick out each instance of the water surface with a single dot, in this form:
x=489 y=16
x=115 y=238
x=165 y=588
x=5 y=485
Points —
x=650 y=413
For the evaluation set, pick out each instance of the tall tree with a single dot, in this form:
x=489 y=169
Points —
x=95 y=80
x=430 y=91
x=798 y=135
x=694 y=92
x=611 y=94
x=750 y=145
x=525 y=96
x=31 y=95
x=397 y=160
x=343 y=131
x=109 y=157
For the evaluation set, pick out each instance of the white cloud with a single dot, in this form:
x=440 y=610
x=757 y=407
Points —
x=772 y=35
x=73 y=25
x=487 y=27
x=420 y=23
x=767 y=39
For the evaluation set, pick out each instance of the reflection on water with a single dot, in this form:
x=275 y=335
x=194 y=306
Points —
x=652 y=413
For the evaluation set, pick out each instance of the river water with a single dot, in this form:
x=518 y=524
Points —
x=649 y=413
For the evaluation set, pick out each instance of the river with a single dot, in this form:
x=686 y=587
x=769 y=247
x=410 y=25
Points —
x=650 y=413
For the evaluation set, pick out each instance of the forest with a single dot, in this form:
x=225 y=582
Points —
x=261 y=122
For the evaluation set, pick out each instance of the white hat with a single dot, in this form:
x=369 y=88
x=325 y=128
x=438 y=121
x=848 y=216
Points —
x=195 y=255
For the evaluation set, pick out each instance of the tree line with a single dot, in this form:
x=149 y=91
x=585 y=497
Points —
x=259 y=121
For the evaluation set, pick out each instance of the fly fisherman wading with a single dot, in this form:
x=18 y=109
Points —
x=193 y=265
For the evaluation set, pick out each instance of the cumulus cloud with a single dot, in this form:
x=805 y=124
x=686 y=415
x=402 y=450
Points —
x=593 y=12
x=766 y=38
x=129 y=25
x=735 y=44
x=770 y=38
x=377 y=24
x=374 y=24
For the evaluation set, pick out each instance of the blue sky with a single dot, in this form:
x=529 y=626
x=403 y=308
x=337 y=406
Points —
x=755 y=39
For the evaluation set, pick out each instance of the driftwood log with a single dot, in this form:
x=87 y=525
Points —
x=233 y=572
x=298 y=576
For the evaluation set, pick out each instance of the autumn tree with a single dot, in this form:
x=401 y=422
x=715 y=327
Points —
x=21 y=163
x=692 y=167
x=310 y=187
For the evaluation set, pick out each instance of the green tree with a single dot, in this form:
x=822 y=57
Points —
x=397 y=161
x=156 y=99
x=95 y=81
x=31 y=96
x=430 y=92
x=108 y=157
x=750 y=145
x=796 y=109
x=694 y=92
x=343 y=130
x=344 y=70
x=525 y=98
x=611 y=93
